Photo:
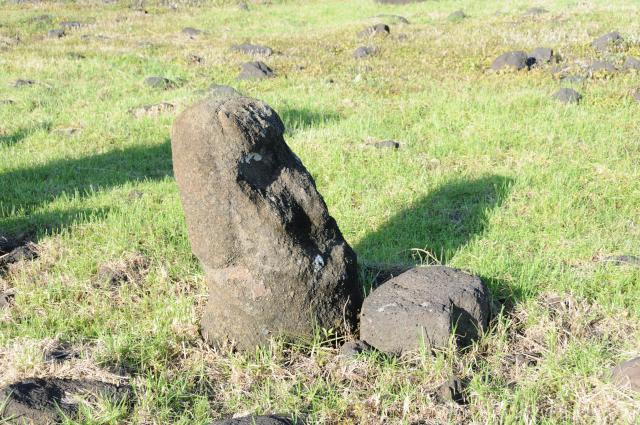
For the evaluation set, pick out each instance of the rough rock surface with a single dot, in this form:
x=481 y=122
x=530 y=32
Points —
x=258 y=420
x=364 y=51
x=541 y=55
x=424 y=304
x=511 y=60
x=252 y=49
x=604 y=42
x=274 y=259
x=602 y=67
x=353 y=348
x=255 y=71
x=55 y=33
x=36 y=401
x=219 y=90
x=191 y=32
x=159 y=82
x=377 y=29
x=566 y=95
x=631 y=63
x=627 y=374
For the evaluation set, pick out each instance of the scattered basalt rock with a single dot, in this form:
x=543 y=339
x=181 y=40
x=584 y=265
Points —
x=541 y=55
x=44 y=401
x=425 y=304
x=72 y=25
x=191 y=32
x=631 y=63
x=566 y=95
x=274 y=259
x=255 y=71
x=451 y=391
x=22 y=83
x=364 y=51
x=152 y=110
x=535 y=11
x=393 y=18
x=252 y=49
x=636 y=95
x=627 y=374
x=353 y=348
x=622 y=260
x=6 y=299
x=602 y=67
x=384 y=144
x=607 y=41
x=159 y=83
x=377 y=29
x=219 y=90
x=572 y=79
x=457 y=16
x=25 y=252
x=259 y=420
x=516 y=60
x=55 y=33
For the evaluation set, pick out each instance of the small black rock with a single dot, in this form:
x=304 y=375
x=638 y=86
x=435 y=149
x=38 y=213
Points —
x=55 y=33
x=159 y=82
x=516 y=60
x=255 y=71
x=535 y=11
x=364 y=51
x=604 y=42
x=602 y=67
x=377 y=29
x=353 y=348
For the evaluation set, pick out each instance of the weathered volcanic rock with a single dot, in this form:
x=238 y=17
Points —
x=602 y=67
x=191 y=32
x=219 y=90
x=566 y=95
x=377 y=29
x=456 y=16
x=159 y=82
x=627 y=374
x=55 y=33
x=424 y=304
x=541 y=55
x=631 y=63
x=252 y=49
x=605 y=42
x=353 y=348
x=38 y=401
x=70 y=25
x=274 y=259
x=364 y=51
x=451 y=391
x=255 y=71
x=258 y=420
x=511 y=60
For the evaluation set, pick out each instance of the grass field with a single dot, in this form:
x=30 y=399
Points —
x=493 y=176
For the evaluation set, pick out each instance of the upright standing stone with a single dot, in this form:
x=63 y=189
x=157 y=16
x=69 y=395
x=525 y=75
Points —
x=274 y=259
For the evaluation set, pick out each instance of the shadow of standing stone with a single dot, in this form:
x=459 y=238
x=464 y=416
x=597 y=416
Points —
x=274 y=259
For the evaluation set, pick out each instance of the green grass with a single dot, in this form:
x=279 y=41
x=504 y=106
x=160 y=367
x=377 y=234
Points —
x=493 y=177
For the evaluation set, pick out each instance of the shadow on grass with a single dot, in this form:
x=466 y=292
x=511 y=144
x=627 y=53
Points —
x=30 y=191
x=21 y=134
x=299 y=119
x=433 y=229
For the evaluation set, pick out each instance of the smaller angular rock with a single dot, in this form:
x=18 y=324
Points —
x=258 y=420
x=627 y=374
x=55 y=33
x=252 y=49
x=353 y=348
x=377 y=29
x=602 y=67
x=457 y=16
x=6 y=298
x=191 y=32
x=623 y=260
x=384 y=144
x=566 y=95
x=516 y=60
x=22 y=83
x=364 y=51
x=70 y=25
x=159 y=82
x=541 y=55
x=219 y=90
x=607 y=41
x=631 y=63
x=425 y=304
x=255 y=71
x=451 y=391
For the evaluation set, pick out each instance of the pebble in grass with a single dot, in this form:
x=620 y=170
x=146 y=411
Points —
x=159 y=83
x=364 y=51
x=374 y=30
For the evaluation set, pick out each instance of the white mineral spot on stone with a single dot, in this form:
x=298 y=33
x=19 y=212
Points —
x=381 y=309
x=252 y=156
x=318 y=263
